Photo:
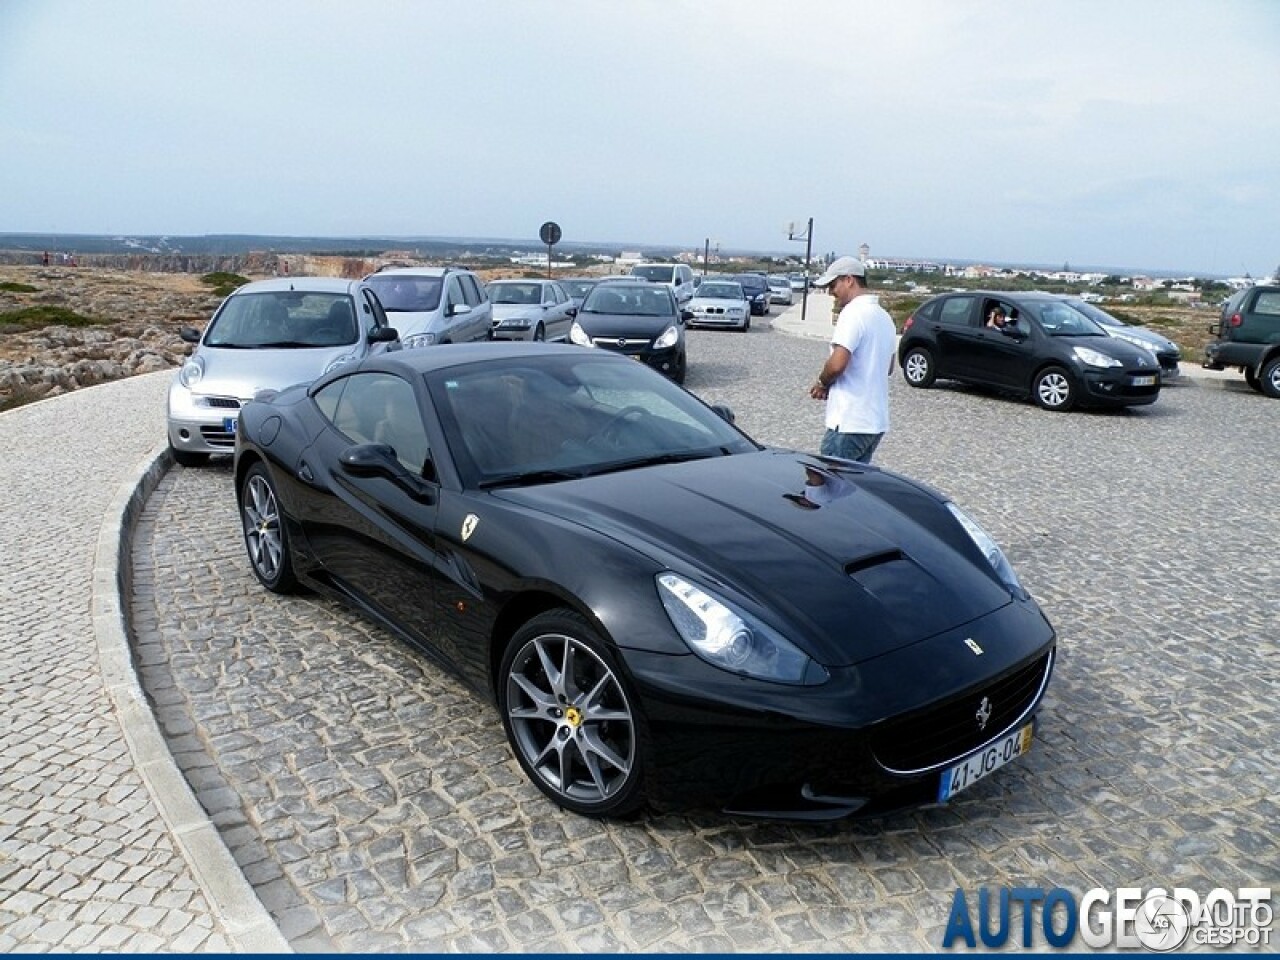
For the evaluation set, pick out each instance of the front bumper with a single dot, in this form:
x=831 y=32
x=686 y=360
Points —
x=202 y=423
x=872 y=739
x=1121 y=388
x=665 y=361
x=722 y=319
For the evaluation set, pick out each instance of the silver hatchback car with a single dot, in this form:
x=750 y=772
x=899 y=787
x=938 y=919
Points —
x=266 y=336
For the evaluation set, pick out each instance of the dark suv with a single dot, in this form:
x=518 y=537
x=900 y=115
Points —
x=1249 y=338
x=1032 y=344
x=756 y=287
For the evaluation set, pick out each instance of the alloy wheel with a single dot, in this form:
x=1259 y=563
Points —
x=571 y=721
x=262 y=534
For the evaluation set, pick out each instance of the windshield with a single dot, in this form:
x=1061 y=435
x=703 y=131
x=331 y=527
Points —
x=538 y=419
x=1063 y=320
x=1097 y=314
x=522 y=293
x=401 y=294
x=577 y=288
x=720 y=291
x=658 y=273
x=632 y=300
x=283 y=319
x=753 y=284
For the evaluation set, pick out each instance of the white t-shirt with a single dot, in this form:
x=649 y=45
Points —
x=858 y=400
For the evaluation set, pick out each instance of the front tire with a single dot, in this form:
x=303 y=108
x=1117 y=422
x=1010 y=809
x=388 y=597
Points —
x=1269 y=379
x=918 y=369
x=570 y=716
x=1053 y=389
x=1252 y=380
x=539 y=333
x=265 y=537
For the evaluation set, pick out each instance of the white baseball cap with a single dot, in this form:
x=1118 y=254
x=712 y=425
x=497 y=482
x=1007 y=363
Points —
x=842 y=267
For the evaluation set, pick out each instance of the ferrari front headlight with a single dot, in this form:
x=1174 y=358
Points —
x=733 y=640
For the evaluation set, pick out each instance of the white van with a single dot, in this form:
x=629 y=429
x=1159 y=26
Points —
x=677 y=276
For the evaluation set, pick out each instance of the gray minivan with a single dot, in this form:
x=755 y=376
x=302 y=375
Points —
x=431 y=305
x=1248 y=337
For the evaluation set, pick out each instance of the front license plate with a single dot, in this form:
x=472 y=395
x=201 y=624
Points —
x=985 y=761
x=229 y=424
x=1142 y=381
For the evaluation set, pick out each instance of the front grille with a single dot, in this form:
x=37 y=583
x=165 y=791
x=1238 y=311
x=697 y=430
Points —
x=620 y=343
x=217 y=437
x=941 y=734
x=225 y=403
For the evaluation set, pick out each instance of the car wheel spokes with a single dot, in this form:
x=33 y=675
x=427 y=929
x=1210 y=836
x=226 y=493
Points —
x=571 y=719
x=262 y=527
x=1054 y=390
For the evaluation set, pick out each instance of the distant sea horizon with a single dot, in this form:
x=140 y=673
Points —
x=224 y=244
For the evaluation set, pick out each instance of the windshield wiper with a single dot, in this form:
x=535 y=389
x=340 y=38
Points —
x=530 y=476
x=657 y=460
x=281 y=344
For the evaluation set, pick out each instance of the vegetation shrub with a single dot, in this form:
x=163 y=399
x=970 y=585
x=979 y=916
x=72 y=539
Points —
x=33 y=318
x=223 y=283
x=10 y=287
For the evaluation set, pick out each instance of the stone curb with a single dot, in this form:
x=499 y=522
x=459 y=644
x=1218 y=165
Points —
x=247 y=924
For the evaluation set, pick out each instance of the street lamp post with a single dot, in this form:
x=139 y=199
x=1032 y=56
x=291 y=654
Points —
x=807 y=237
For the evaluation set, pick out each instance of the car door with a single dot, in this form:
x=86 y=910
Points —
x=554 y=317
x=956 y=332
x=480 y=319
x=1002 y=358
x=375 y=536
x=457 y=312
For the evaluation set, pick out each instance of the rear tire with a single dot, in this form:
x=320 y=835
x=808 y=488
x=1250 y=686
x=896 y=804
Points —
x=1269 y=379
x=918 y=369
x=1053 y=390
x=1251 y=379
x=265 y=537
x=539 y=333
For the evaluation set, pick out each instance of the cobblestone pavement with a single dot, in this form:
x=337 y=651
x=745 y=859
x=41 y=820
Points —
x=86 y=860
x=373 y=803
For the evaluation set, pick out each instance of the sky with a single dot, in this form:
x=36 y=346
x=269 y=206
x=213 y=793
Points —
x=1123 y=133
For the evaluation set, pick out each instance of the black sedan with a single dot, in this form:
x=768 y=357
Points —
x=1031 y=344
x=636 y=318
x=662 y=610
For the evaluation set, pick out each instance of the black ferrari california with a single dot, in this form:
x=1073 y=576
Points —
x=663 y=610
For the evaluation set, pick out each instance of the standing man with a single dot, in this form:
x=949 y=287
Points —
x=855 y=379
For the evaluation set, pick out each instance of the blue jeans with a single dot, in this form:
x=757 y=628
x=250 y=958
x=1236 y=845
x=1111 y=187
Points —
x=850 y=446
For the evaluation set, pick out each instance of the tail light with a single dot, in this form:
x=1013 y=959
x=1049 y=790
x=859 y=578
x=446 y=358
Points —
x=1236 y=320
x=910 y=320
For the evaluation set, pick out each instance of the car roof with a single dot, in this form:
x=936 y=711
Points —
x=520 y=280
x=410 y=363
x=415 y=271
x=300 y=285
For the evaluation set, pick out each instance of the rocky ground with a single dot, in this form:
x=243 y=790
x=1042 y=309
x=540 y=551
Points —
x=140 y=315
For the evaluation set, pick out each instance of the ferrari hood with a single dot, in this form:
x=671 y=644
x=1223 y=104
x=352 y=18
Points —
x=848 y=563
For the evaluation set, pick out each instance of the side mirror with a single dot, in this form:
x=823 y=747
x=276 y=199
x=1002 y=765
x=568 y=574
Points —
x=379 y=460
x=723 y=412
x=686 y=315
x=458 y=309
x=189 y=335
x=383 y=335
x=573 y=311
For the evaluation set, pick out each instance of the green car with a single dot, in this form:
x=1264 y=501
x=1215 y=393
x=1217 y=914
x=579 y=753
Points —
x=1248 y=335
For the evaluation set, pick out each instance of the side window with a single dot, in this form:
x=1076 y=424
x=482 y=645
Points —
x=1267 y=304
x=327 y=398
x=548 y=294
x=454 y=295
x=470 y=290
x=373 y=307
x=928 y=311
x=955 y=311
x=561 y=296
x=381 y=408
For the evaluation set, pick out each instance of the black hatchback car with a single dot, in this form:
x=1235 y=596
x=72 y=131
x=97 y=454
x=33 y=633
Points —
x=640 y=319
x=756 y=287
x=1032 y=344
